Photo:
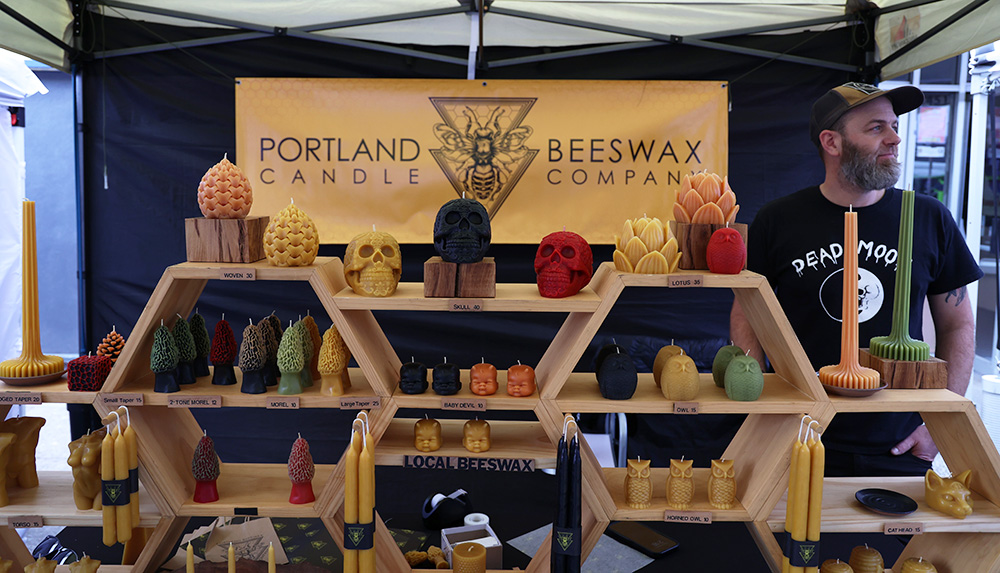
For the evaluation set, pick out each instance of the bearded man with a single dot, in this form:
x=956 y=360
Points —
x=796 y=242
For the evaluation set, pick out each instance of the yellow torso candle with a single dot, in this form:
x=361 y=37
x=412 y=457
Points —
x=468 y=558
x=123 y=519
x=351 y=496
x=366 y=499
x=108 y=474
x=918 y=565
x=849 y=373
x=84 y=565
x=31 y=362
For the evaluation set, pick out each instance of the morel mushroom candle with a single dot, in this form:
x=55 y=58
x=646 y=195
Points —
x=301 y=471
x=205 y=467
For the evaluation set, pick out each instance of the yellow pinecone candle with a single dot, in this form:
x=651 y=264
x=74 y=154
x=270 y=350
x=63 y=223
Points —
x=291 y=239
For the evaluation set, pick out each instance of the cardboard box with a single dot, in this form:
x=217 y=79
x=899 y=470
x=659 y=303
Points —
x=452 y=536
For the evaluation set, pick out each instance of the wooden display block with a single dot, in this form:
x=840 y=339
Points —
x=440 y=278
x=692 y=241
x=477 y=280
x=225 y=240
x=907 y=374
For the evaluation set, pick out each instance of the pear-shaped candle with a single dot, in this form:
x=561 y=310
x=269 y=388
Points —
x=225 y=192
x=291 y=239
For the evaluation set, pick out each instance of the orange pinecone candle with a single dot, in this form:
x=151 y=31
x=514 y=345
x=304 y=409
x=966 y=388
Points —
x=224 y=192
x=111 y=346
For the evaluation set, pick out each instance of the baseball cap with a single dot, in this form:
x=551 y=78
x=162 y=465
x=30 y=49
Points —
x=841 y=99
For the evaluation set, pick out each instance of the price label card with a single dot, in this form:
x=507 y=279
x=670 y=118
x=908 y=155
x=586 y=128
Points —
x=248 y=274
x=120 y=399
x=904 y=528
x=463 y=404
x=360 y=403
x=194 y=402
x=283 y=403
x=697 y=517
x=685 y=407
x=684 y=281
x=20 y=398
x=465 y=304
x=24 y=521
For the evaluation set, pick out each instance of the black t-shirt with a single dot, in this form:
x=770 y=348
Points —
x=796 y=243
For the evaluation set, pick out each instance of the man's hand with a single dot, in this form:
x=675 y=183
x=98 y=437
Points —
x=919 y=443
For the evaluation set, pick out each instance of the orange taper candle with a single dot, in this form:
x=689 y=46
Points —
x=849 y=373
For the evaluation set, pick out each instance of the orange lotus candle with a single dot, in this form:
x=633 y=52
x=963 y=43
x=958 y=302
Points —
x=468 y=558
x=849 y=373
x=31 y=362
x=917 y=565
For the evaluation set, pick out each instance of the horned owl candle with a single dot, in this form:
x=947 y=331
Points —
x=564 y=264
x=427 y=435
x=476 y=436
x=483 y=379
x=462 y=231
x=950 y=496
x=520 y=380
x=722 y=485
x=679 y=380
x=373 y=264
x=291 y=239
x=680 y=484
x=638 y=486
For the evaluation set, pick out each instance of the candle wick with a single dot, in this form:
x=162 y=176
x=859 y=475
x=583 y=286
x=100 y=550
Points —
x=223 y=316
x=518 y=362
x=292 y=199
x=251 y=321
x=373 y=227
x=412 y=359
x=161 y=322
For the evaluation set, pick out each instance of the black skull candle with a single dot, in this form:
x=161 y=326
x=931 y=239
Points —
x=462 y=231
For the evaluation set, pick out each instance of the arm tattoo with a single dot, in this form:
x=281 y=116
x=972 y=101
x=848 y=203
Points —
x=956 y=296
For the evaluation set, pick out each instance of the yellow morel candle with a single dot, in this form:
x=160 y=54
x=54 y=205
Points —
x=32 y=362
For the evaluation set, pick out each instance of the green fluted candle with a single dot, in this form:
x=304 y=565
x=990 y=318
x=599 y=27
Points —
x=899 y=345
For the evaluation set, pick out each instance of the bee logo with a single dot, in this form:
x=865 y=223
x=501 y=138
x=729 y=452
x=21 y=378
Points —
x=483 y=146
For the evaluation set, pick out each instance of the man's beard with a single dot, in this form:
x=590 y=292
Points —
x=865 y=171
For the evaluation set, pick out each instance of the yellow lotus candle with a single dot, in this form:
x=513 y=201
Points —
x=31 y=362
x=468 y=558
x=849 y=373
x=917 y=565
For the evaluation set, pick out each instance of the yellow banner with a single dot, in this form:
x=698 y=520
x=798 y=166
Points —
x=539 y=155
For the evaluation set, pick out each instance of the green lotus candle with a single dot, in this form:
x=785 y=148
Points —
x=899 y=345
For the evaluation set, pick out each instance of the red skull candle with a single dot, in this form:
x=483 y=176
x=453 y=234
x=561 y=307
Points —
x=726 y=253
x=564 y=264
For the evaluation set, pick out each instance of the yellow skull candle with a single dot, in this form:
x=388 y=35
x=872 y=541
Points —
x=427 y=435
x=224 y=192
x=291 y=239
x=476 y=436
x=722 y=485
x=638 y=486
x=680 y=484
x=950 y=496
x=373 y=264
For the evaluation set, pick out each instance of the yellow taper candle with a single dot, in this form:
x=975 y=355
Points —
x=108 y=474
x=351 y=491
x=790 y=515
x=801 y=508
x=231 y=559
x=190 y=559
x=849 y=373
x=817 y=462
x=270 y=558
x=123 y=517
x=366 y=497
x=31 y=362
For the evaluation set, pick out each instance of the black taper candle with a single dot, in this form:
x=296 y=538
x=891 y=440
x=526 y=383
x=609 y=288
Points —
x=556 y=559
x=574 y=518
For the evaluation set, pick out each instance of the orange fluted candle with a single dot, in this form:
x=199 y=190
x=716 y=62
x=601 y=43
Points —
x=849 y=373
x=468 y=558
x=31 y=362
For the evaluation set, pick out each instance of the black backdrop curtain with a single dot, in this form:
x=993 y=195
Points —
x=154 y=123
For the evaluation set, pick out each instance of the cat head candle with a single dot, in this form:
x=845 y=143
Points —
x=564 y=264
x=373 y=264
x=462 y=231
x=427 y=435
x=476 y=436
x=950 y=496
x=483 y=379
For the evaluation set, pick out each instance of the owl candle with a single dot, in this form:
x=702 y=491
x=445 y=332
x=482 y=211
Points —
x=679 y=380
x=291 y=239
x=564 y=264
x=520 y=380
x=638 y=486
x=616 y=373
x=476 y=436
x=722 y=485
x=427 y=435
x=483 y=379
x=225 y=192
x=660 y=361
x=373 y=264
x=726 y=253
x=866 y=559
x=743 y=380
x=680 y=484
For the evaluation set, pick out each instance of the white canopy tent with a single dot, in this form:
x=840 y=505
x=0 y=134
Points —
x=909 y=33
